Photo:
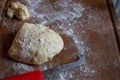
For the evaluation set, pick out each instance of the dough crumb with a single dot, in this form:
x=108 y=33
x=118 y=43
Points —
x=18 y=10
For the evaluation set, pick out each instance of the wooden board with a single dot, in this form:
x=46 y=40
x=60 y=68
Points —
x=86 y=29
x=115 y=21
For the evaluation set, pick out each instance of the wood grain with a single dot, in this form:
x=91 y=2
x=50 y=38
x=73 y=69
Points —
x=115 y=22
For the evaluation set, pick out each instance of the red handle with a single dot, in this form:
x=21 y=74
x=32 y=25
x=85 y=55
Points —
x=35 y=75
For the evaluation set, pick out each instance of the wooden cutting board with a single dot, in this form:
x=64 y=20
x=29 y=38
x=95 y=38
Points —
x=87 y=30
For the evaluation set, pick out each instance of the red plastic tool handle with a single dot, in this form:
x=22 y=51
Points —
x=35 y=75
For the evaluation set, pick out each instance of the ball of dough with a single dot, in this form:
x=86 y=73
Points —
x=19 y=10
x=35 y=44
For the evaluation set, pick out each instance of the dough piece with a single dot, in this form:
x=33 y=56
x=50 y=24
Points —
x=35 y=44
x=19 y=10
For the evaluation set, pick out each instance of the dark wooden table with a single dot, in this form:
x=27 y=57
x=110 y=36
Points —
x=89 y=29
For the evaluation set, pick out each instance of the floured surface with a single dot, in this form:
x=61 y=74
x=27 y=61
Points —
x=84 y=31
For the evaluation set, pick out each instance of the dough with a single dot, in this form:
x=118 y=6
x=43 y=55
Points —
x=19 y=10
x=35 y=44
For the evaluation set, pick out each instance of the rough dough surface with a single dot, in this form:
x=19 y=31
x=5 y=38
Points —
x=19 y=10
x=35 y=44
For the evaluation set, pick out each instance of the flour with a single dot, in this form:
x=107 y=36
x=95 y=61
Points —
x=44 y=22
x=80 y=45
x=69 y=32
x=22 y=67
x=63 y=13
x=64 y=76
x=14 y=67
x=64 y=10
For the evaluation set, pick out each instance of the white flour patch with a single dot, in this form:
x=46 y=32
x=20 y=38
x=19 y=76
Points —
x=87 y=70
x=63 y=10
x=62 y=76
x=44 y=22
x=69 y=32
x=21 y=67
x=66 y=75
x=15 y=67
x=80 y=45
x=33 y=3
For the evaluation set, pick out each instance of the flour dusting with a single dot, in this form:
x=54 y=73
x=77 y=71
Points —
x=66 y=18
x=63 y=14
x=14 y=67
x=63 y=10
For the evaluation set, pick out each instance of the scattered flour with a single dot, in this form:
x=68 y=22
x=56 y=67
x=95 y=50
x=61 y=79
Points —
x=22 y=67
x=63 y=76
x=15 y=67
x=64 y=13
x=63 y=10
x=67 y=72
